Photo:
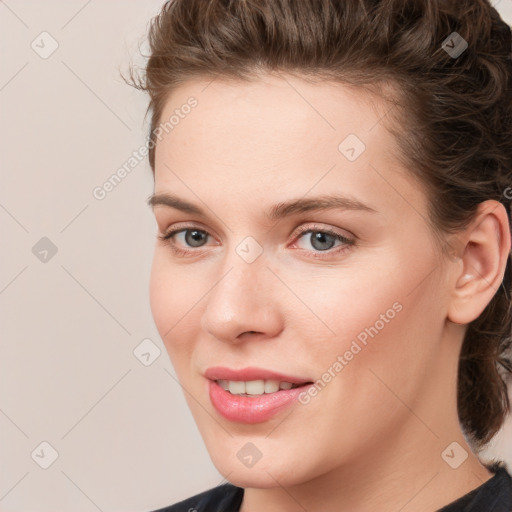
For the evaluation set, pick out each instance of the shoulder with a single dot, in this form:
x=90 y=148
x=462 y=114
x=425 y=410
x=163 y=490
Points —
x=223 y=498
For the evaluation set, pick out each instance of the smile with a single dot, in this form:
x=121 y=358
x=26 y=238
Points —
x=252 y=395
x=254 y=387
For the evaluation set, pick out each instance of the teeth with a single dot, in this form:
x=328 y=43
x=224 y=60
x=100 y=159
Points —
x=223 y=384
x=271 y=386
x=236 y=388
x=254 y=387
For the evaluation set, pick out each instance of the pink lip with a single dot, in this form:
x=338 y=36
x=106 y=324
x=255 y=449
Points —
x=250 y=373
x=247 y=409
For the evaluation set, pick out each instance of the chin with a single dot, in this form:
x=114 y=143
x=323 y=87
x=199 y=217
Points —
x=264 y=474
x=256 y=478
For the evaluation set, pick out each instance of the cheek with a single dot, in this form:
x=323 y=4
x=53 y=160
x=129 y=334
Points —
x=333 y=310
x=160 y=297
x=173 y=296
x=359 y=381
x=383 y=319
x=387 y=350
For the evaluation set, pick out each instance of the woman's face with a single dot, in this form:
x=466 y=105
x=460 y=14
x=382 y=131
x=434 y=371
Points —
x=350 y=297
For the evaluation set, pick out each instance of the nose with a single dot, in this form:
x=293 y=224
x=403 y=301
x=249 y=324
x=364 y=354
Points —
x=244 y=303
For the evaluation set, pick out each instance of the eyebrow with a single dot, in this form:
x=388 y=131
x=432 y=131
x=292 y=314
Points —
x=277 y=211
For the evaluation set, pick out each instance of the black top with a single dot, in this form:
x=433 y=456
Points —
x=495 y=495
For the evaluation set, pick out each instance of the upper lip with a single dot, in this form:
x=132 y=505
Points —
x=250 y=373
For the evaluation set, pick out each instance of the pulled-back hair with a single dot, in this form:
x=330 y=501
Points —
x=451 y=113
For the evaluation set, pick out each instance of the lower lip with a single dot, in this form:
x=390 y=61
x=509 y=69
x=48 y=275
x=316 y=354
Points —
x=247 y=409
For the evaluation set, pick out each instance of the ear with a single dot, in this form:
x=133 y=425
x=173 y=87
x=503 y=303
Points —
x=484 y=254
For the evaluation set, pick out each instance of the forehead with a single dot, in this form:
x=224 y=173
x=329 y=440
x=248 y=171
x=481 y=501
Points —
x=275 y=135
x=259 y=110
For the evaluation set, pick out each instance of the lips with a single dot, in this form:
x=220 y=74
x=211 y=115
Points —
x=251 y=373
x=252 y=409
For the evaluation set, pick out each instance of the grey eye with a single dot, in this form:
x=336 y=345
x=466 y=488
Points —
x=194 y=237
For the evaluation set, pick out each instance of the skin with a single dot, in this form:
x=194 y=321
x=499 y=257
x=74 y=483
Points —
x=372 y=438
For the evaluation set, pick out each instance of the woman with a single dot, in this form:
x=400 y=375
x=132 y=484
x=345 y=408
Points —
x=332 y=275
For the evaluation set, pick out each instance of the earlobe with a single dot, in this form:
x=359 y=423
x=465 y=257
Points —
x=484 y=258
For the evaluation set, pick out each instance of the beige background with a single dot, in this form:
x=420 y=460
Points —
x=121 y=430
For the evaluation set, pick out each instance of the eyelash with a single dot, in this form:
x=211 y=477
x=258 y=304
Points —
x=347 y=242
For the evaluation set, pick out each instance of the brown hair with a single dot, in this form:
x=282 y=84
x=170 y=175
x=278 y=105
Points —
x=453 y=114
